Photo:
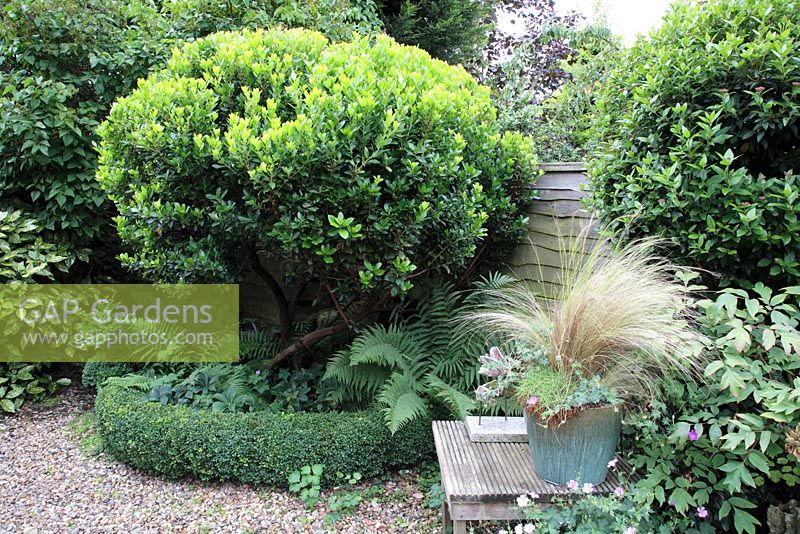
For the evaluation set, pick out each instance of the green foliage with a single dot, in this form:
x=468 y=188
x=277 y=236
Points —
x=61 y=66
x=337 y=19
x=306 y=483
x=557 y=393
x=409 y=365
x=698 y=131
x=95 y=374
x=21 y=382
x=726 y=439
x=342 y=501
x=451 y=30
x=24 y=255
x=560 y=123
x=281 y=142
x=63 y=63
x=254 y=448
x=622 y=513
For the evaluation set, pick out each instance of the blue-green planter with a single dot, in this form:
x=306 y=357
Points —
x=579 y=449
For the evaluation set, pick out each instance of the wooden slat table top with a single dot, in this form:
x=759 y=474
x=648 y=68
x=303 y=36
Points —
x=497 y=472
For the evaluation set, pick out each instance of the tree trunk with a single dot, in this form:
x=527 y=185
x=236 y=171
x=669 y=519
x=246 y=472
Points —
x=284 y=310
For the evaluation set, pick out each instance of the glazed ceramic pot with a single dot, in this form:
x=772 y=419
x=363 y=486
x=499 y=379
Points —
x=579 y=449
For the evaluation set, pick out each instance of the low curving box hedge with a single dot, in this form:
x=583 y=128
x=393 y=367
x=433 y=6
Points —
x=255 y=448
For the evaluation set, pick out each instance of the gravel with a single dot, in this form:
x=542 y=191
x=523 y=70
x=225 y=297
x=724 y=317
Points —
x=50 y=482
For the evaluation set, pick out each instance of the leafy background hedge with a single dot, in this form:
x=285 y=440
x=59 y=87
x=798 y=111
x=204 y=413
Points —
x=257 y=448
x=697 y=130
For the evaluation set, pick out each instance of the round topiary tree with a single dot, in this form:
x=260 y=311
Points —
x=360 y=165
x=698 y=138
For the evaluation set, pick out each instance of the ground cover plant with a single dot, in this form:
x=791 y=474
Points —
x=697 y=131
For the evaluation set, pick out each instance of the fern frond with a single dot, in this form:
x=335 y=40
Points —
x=132 y=381
x=257 y=345
x=401 y=401
x=459 y=404
x=392 y=347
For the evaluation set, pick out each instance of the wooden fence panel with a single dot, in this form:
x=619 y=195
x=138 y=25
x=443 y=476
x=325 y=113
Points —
x=555 y=221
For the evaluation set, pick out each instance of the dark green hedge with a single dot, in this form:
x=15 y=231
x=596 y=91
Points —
x=258 y=448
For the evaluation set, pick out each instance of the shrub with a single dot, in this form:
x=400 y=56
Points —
x=254 y=448
x=363 y=165
x=24 y=255
x=723 y=445
x=21 y=382
x=697 y=133
x=560 y=123
x=63 y=63
x=95 y=373
x=451 y=30
x=337 y=19
x=61 y=66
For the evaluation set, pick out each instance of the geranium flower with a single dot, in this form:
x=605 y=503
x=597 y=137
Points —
x=612 y=463
x=523 y=501
x=572 y=485
x=702 y=513
x=630 y=530
x=619 y=491
x=529 y=528
x=693 y=435
x=588 y=488
x=532 y=401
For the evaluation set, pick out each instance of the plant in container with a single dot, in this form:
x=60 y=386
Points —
x=620 y=320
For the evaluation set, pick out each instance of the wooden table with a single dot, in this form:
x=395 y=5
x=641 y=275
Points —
x=482 y=481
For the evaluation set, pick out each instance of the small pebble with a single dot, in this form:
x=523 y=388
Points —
x=48 y=484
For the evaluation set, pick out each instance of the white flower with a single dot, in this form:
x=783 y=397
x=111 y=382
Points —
x=533 y=496
x=588 y=488
x=523 y=501
x=529 y=528
x=612 y=463
x=502 y=531
x=630 y=530
x=518 y=529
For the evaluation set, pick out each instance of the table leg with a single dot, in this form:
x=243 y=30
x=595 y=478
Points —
x=459 y=527
x=446 y=522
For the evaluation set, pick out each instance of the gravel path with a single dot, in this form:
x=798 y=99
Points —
x=48 y=483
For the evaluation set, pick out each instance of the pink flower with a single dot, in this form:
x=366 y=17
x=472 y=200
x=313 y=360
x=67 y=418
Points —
x=630 y=530
x=588 y=488
x=572 y=485
x=702 y=513
x=619 y=492
x=612 y=463
x=693 y=435
x=760 y=88
x=532 y=401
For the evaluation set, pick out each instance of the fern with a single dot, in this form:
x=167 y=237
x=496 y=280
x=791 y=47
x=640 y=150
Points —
x=257 y=345
x=132 y=381
x=411 y=364
x=401 y=401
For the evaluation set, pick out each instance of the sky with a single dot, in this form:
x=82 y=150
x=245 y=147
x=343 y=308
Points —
x=626 y=18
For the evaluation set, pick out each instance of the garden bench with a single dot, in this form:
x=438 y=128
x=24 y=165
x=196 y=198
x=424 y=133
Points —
x=482 y=480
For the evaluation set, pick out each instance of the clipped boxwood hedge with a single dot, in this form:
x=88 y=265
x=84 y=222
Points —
x=254 y=448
